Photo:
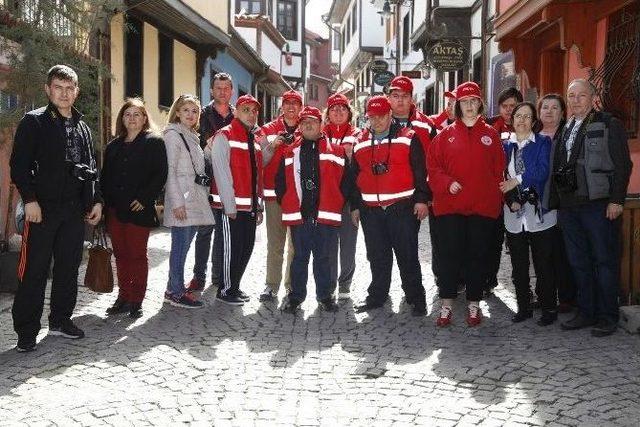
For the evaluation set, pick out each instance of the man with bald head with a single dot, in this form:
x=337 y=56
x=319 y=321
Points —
x=591 y=169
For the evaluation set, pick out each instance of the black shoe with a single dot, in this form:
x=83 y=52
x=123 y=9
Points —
x=547 y=318
x=328 y=305
x=66 y=330
x=488 y=293
x=119 y=306
x=603 y=328
x=521 y=316
x=419 y=310
x=135 y=310
x=578 y=322
x=365 y=306
x=230 y=299
x=26 y=345
x=244 y=297
x=290 y=306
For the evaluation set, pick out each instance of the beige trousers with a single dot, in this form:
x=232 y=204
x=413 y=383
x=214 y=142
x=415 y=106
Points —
x=277 y=236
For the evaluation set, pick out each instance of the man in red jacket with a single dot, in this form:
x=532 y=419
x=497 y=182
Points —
x=280 y=133
x=311 y=186
x=390 y=199
x=466 y=163
x=447 y=116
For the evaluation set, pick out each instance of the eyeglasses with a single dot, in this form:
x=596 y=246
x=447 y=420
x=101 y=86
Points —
x=523 y=116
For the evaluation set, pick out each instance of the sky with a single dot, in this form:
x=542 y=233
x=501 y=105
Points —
x=315 y=9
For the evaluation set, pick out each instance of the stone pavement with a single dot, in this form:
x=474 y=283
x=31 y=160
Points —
x=253 y=365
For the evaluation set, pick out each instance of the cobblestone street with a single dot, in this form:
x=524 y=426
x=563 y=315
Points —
x=252 y=365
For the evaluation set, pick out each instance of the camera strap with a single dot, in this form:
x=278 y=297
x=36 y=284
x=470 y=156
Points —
x=190 y=158
x=388 y=147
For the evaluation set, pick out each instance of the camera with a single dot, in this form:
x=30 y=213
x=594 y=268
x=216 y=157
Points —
x=287 y=137
x=565 y=179
x=202 y=179
x=83 y=172
x=528 y=195
x=380 y=168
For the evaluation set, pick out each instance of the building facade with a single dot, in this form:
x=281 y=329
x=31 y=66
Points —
x=319 y=71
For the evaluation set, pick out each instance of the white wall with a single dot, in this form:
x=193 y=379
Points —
x=249 y=35
x=373 y=32
x=271 y=53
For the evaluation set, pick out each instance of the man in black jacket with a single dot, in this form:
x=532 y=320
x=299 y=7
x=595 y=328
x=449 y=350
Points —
x=216 y=115
x=591 y=169
x=53 y=165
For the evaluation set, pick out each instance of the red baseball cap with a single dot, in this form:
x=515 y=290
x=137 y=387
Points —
x=401 y=83
x=292 y=95
x=468 y=89
x=337 y=99
x=378 y=106
x=247 y=99
x=310 y=113
x=451 y=94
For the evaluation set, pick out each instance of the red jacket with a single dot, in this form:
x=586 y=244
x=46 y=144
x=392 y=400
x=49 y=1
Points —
x=504 y=129
x=395 y=185
x=271 y=131
x=423 y=126
x=240 y=164
x=441 y=120
x=331 y=169
x=341 y=134
x=475 y=159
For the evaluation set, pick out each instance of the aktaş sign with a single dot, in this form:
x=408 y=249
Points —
x=447 y=55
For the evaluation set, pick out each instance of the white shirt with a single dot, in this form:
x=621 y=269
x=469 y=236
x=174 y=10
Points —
x=527 y=219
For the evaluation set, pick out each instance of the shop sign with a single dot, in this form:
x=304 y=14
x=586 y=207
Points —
x=447 y=55
x=378 y=66
x=383 y=78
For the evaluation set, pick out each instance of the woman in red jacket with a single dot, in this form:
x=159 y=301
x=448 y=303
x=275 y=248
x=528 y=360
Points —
x=466 y=164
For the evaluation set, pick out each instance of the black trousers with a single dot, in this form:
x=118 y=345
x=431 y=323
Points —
x=434 y=245
x=541 y=245
x=464 y=244
x=495 y=253
x=238 y=238
x=562 y=274
x=61 y=235
x=388 y=231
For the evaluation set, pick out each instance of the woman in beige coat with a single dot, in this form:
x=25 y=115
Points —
x=186 y=204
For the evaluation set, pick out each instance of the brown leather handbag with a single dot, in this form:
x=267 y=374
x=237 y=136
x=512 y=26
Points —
x=99 y=274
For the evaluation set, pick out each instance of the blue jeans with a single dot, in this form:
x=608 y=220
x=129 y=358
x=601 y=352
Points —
x=203 y=246
x=181 y=238
x=322 y=240
x=593 y=250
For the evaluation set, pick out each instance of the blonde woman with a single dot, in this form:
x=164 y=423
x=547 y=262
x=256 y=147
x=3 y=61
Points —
x=133 y=173
x=186 y=204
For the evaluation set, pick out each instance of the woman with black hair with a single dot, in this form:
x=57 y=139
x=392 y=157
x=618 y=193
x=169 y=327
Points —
x=528 y=225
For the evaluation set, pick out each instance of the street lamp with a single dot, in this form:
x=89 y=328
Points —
x=386 y=10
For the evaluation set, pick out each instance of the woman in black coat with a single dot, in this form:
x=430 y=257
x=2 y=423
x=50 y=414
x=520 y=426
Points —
x=133 y=175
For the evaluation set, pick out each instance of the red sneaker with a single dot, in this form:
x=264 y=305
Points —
x=445 y=316
x=195 y=285
x=474 y=315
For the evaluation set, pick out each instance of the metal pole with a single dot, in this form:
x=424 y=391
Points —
x=397 y=12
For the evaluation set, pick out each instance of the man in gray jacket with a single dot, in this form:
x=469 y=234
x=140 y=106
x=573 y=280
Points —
x=591 y=169
x=236 y=159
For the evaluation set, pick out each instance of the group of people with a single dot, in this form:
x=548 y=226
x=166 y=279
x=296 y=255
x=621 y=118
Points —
x=554 y=185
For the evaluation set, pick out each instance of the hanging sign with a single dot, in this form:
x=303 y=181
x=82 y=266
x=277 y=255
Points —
x=447 y=55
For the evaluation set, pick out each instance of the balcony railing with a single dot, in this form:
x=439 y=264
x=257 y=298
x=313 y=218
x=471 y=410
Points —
x=61 y=18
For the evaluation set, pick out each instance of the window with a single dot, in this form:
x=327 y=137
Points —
x=133 y=57
x=477 y=69
x=313 y=91
x=405 y=34
x=8 y=102
x=165 y=70
x=347 y=32
x=288 y=19
x=428 y=107
x=336 y=40
x=252 y=7
x=354 y=18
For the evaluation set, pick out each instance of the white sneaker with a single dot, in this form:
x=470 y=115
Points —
x=268 y=295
